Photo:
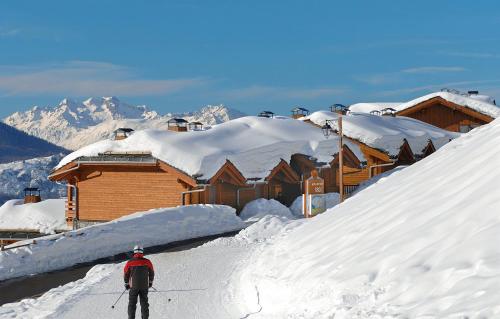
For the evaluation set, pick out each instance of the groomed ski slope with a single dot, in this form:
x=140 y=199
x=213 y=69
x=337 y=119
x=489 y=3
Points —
x=422 y=243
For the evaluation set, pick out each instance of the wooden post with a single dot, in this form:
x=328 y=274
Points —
x=341 y=161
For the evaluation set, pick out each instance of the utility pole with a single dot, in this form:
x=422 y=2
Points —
x=341 y=160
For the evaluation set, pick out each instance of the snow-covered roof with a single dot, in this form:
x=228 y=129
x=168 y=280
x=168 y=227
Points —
x=475 y=102
x=372 y=106
x=386 y=133
x=46 y=216
x=255 y=145
x=481 y=103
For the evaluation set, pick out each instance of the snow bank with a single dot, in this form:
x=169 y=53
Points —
x=155 y=227
x=422 y=244
x=254 y=144
x=46 y=216
x=205 y=276
x=386 y=133
x=296 y=208
x=261 y=207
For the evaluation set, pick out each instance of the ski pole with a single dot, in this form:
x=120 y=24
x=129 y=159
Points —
x=113 y=306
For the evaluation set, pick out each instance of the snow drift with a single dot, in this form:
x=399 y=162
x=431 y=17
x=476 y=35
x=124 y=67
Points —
x=155 y=227
x=422 y=244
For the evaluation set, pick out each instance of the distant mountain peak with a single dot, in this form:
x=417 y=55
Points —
x=73 y=124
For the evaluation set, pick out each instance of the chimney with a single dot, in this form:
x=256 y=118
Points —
x=32 y=195
x=339 y=108
x=267 y=114
x=298 y=112
x=177 y=125
x=122 y=133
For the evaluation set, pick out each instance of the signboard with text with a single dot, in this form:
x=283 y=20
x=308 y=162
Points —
x=314 y=200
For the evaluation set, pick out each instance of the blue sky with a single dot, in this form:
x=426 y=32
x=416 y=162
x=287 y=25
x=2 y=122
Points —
x=250 y=55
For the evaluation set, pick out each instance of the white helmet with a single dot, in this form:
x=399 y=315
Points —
x=138 y=249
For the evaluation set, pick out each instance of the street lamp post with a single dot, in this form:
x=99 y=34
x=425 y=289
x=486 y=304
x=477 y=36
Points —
x=327 y=128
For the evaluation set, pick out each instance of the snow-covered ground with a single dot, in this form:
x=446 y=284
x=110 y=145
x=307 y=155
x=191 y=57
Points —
x=74 y=124
x=200 y=283
x=154 y=227
x=420 y=243
x=15 y=176
x=46 y=216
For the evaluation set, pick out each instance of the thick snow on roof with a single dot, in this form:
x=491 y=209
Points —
x=372 y=106
x=254 y=144
x=423 y=243
x=471 y=102
x=46 y=216
x=386 y=133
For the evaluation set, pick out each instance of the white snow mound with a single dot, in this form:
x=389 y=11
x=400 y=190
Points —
x=422 y=244
x=46 y=216
x=261 y=207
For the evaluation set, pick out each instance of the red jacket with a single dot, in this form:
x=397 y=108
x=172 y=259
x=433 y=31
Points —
x=138 y=272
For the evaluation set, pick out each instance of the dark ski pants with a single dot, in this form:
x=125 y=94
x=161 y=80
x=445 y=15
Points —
x=132 y=303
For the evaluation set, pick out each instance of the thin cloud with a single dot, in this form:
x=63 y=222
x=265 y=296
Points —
x=435 y=87
x=271 y=92
x=473 y=55
x=398 y=76
x=9 y=32
x=433 y=69
x=82 y=78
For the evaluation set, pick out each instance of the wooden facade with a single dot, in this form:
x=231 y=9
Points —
x=446 y=115
x=106 y=190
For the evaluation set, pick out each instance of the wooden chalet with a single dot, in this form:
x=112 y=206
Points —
x=111 y=185
x=446 y=114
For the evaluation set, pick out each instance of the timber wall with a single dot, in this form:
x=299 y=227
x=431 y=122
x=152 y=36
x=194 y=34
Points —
x=444 y=117
x=109 y=192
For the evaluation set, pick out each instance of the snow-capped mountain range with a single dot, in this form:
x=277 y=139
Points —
x=73 y=124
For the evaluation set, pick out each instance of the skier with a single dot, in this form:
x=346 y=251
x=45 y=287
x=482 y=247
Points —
x=138 y=275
